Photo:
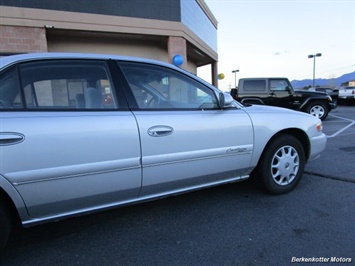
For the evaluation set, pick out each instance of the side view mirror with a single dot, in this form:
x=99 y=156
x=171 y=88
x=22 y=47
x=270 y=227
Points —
x=225 y=100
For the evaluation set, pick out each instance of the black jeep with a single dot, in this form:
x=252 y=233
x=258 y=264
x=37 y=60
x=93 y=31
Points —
x=279 y=92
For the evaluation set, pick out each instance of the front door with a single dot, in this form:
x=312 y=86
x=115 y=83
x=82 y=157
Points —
x=281 y=93
x=187 y=140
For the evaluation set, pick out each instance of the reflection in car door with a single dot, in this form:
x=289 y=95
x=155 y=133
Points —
x=69 y=162
x=188 y=141
x=183 y=149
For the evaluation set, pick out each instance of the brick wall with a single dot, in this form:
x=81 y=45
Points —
x=177 y=45
x=22 y=40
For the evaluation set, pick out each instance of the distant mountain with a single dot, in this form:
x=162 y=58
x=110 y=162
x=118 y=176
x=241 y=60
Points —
x=335 y=82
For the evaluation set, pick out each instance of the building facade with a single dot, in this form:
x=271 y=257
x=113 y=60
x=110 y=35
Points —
x=156 y=29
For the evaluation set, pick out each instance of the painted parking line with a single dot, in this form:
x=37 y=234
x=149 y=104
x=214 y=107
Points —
x=342 y=129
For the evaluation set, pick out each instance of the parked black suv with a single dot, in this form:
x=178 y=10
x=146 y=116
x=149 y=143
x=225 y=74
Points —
x=279 y=92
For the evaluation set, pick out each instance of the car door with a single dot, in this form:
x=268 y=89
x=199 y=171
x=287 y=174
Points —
x=67 y=141
x=281 y=94
x=187 y=140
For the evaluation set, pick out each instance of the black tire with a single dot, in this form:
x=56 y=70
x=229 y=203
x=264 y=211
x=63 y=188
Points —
x=317 y=109
x=5 y=223
x=281 y=166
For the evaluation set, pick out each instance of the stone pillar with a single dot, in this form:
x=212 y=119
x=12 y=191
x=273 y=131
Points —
x=214 y=73
x=177 y=45
x=16 y=40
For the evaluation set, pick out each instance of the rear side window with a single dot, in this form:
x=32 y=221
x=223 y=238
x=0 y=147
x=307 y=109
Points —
x=254 y=85
x=67 y=85
x=10 y=96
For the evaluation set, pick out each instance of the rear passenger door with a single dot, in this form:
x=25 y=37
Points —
x=67 y=140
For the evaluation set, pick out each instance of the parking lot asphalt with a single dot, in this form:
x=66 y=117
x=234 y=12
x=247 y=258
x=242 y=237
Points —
x=337 y=161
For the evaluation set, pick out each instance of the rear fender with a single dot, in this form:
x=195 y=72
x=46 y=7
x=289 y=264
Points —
x=250 y=100
x=314 y=99
x=11 y=192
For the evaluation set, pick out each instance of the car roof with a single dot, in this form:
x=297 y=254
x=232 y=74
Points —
x=264 y=78
x=14 y=59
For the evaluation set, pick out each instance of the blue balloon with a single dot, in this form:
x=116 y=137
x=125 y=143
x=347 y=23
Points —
x=178 y=60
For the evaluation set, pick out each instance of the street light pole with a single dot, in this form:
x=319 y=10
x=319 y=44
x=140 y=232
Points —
x=235 y=77
x=314 y=64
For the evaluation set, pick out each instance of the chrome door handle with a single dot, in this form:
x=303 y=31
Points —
x=10 y=138
x=160 y=131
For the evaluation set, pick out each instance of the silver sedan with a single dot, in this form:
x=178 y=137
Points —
x=82 y=132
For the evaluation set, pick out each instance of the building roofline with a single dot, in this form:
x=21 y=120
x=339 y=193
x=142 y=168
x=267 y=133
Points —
x=208 y=12
x=52 y=19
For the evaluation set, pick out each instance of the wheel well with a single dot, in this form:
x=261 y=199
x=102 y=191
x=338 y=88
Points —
x=252 y=101
x=298 y=134
x=311 y=102
x=10 y=206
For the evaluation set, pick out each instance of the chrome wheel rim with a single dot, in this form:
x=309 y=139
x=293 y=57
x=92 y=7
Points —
x=285 y=165
x=317 y=111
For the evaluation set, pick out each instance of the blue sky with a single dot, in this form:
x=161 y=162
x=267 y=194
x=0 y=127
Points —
x=274 y=38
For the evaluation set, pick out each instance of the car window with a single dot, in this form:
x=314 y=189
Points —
x=254 y=85
x=155 y=87
x=10 y=90
x=278 y=85
x=67 y=84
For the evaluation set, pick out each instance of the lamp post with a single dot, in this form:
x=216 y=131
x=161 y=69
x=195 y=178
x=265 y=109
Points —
x=235 y=77
x=314 y=64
